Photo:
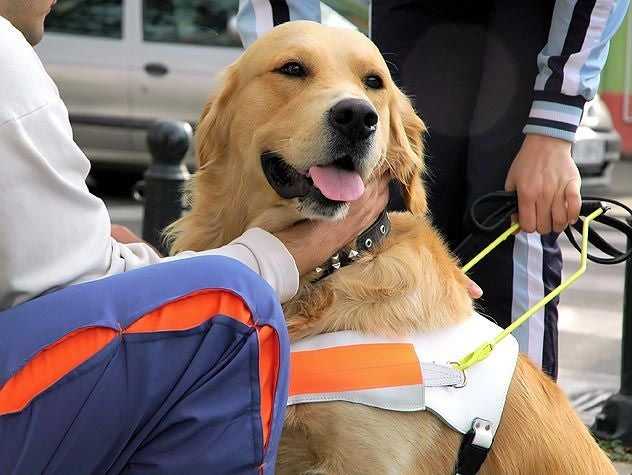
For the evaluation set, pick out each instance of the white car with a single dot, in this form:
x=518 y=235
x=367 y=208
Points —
x=122 y=64
x=597 y=145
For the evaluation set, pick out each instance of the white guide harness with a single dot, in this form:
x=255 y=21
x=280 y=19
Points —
x=380 y=372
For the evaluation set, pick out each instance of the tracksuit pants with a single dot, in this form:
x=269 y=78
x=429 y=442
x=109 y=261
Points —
x=470 y=68
x=175 y=368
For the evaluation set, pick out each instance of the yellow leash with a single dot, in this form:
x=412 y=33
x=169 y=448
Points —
x=485 y=349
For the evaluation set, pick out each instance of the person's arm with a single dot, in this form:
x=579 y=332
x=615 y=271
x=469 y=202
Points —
x=256 y=17
x=54 y=232
x=280 y=258
x=570 y=64
x=264 y=254
x=543 y=173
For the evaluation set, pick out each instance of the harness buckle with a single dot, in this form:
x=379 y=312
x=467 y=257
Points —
x=474 y=447
x=482 y=433
x=463 y=381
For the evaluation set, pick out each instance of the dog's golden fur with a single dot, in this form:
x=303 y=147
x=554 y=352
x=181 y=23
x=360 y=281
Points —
x=411 y=283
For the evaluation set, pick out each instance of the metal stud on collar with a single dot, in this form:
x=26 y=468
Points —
x=373 y=236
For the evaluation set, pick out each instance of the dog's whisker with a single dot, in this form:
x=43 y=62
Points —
x=279 y=150
x=284 y=147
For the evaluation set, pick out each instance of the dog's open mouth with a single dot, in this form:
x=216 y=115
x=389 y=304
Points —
x=338 y=181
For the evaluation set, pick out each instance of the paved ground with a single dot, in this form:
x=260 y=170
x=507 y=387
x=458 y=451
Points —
x=590 y=311
x=591 y=317
x=590 y=321
x=623 y=468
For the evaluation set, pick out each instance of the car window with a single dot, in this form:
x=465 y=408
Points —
x=198 y=22
x=100 y=18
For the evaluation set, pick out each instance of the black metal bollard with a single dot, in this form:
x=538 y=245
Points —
x=615 y=419
x=164 y=179
x=626 y=351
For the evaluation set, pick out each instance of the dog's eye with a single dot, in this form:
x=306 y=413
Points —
x=293 y=69
x=373 y=81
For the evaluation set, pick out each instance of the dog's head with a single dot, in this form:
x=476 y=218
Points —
x=300 y=123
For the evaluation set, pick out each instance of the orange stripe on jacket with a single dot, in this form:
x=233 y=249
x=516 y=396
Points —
x=269 y=355
x=50 y=365
x=56 y=361
x=53 y=363
x=192 y=311
x=354 y=367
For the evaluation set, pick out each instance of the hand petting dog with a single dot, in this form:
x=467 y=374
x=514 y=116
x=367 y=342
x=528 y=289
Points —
x=312 y=242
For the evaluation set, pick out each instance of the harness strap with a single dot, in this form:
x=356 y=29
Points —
x=412 y=373
x=438 y=375
x=385 y=375
x=474 y=448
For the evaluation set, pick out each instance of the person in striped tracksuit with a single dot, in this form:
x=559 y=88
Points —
x=501 y=86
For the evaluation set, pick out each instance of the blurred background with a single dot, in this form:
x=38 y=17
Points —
x=122 y=64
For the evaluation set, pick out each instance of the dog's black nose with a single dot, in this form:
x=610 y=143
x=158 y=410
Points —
x=356 y=119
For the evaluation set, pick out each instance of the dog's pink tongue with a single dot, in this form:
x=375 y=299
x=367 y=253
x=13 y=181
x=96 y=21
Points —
x=337 y=184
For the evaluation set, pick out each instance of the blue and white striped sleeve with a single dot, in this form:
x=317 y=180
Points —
x=256 y=17
x=571 y=62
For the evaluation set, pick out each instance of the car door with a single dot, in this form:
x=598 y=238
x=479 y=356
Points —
x=85 y=50
x=183 y=45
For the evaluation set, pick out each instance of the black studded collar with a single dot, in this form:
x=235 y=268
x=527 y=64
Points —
x=365 y=242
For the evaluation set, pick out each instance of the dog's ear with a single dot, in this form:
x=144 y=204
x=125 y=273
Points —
x=211 y=135
x=405 y=151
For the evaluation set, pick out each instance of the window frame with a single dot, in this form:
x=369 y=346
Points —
x=120 y=36
x=179 y=42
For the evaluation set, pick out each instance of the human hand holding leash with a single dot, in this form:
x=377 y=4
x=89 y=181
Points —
x=548 y=184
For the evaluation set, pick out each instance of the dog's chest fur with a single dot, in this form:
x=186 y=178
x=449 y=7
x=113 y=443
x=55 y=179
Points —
x=411 y=284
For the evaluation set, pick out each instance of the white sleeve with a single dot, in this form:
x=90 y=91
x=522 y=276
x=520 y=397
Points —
x=265 y=255
x=256 y=248
x=53 y=231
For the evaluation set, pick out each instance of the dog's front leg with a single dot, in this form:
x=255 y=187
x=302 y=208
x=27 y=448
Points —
x=303 y=313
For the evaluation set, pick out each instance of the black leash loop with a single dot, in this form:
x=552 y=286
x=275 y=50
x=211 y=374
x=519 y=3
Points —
x=507 y=205
x=589 y=204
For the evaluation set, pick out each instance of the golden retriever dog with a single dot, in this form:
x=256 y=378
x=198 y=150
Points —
x=302 y=109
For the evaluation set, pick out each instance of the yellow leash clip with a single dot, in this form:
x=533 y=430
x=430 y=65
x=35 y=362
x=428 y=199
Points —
x=486 y=348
